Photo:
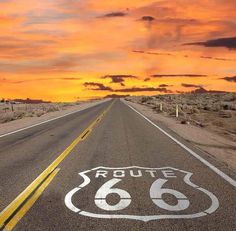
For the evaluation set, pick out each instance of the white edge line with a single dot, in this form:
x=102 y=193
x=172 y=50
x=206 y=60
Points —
x=212 y=167
x=46 y=121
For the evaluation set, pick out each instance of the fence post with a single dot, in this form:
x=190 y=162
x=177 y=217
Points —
x=177 y=110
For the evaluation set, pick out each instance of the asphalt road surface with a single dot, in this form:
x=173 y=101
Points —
x=109 y=168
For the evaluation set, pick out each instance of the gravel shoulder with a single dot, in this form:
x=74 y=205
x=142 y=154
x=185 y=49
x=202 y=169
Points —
x=219 y=147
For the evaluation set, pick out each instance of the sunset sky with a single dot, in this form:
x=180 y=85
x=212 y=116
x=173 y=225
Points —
x=67 y=50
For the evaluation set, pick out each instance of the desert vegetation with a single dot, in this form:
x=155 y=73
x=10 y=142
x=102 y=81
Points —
x=10 y=110
x=213 y=111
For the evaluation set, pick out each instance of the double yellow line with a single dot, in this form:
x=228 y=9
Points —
x=18 y=207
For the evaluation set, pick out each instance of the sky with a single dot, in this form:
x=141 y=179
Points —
x=68 y=50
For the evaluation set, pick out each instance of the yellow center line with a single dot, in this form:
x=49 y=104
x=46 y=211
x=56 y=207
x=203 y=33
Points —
x=11 y=224
x=15 y=204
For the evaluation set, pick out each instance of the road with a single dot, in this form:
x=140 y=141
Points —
x=109 y=168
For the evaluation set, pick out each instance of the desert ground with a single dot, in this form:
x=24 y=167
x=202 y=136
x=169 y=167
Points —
x=10 y=111
x=206 y=120
x=20 y=115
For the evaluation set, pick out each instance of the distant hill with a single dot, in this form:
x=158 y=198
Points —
x=203 y=90
x=30 y=101
x=116 y=96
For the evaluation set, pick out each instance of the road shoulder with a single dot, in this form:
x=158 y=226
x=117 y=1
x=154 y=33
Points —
x=216 y=146
x=15 y=125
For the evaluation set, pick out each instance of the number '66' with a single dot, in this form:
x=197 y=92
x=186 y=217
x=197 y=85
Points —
x=156 y=194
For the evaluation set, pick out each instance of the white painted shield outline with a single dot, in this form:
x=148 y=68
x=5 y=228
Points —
x=214 y=205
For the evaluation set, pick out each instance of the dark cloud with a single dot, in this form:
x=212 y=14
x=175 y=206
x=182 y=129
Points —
x=229 y=43
x=230 y=79
x=152 y=53
x=156 y=53
x=178 y=75
x=191 y=85
x=119 y=78
x=141 y=89
x=165 y=85
x=102 y=87
x=147 y=79
x=137 y=51
x=219 y=59
x=97 y=86
x=113 y=14
x=186 y=56
x=70 y=78
x=147 y=18
x=116 y=96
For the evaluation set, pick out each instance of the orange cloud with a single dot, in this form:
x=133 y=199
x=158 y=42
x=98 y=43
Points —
x=60 y=45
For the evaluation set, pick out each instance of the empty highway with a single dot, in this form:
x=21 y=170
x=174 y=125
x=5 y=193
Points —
x=109 y=167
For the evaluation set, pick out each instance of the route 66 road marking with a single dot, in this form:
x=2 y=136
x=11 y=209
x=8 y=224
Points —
x=161 y=184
